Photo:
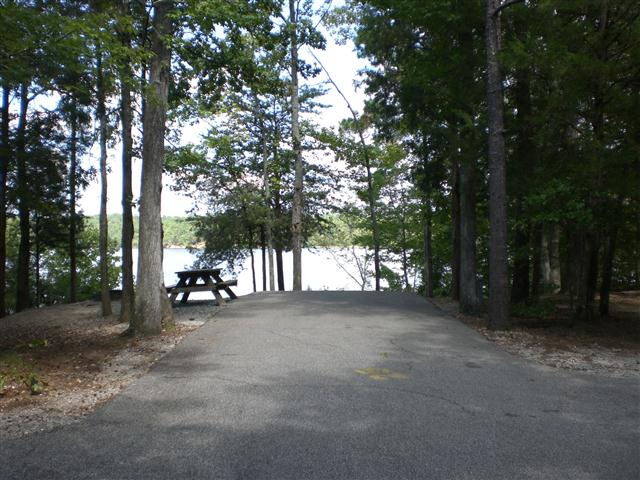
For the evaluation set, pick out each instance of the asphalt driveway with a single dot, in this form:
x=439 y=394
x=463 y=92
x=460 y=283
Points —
x=344 y=385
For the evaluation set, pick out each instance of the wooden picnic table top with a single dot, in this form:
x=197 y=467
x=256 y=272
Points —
x=201 y=271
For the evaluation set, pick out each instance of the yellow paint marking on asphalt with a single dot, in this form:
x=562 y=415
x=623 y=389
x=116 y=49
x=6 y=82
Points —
x=380 y=373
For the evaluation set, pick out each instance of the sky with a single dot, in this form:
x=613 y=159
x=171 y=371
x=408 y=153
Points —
x=342 y=64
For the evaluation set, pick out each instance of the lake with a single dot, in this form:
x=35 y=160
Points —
x=322 y=269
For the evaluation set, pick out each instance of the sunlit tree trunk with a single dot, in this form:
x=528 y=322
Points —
x=296 y=212
x=73 y=220
x=104 y=226
x=151 y=294
x=126 y=120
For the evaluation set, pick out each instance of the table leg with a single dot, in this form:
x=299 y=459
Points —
x=185 y=296
x=228 y=290
x=174 y=295
x=214 y=290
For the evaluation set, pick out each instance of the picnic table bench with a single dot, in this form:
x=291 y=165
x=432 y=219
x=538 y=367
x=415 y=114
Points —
x=203 y=280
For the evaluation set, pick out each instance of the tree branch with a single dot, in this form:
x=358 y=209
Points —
x=505 y=4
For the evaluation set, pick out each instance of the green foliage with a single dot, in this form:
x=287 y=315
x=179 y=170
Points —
x=54 y=285
x=177 y=231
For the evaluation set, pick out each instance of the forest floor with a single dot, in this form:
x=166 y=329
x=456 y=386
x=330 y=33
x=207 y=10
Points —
x=545 y=333
x=58 y=363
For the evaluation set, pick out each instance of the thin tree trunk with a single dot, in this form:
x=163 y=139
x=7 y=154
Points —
x=545 y=258
x=296 y=212
x=105 y=295
x=469 y=301
x=280 y=268
x=263 y=248
x=24 y=206
x=455 y=231
x=520 y=284
x=554 y=259
x=428 y=258
x=405 y=259
x=5 y=155
x=375 y=229
x=127 y=303
x=536 y=270
x=607 y=272
x=278 y=243
x=253 y=261
x=36 y=247
x=151 y=294
x=268 y=227
x=73 y=173
x=498 y=266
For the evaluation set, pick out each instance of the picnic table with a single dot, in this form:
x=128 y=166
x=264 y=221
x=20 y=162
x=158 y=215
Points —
x=203 y=280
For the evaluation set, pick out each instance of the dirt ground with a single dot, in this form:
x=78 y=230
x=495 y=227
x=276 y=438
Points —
x=608 y=347
x=58 y=363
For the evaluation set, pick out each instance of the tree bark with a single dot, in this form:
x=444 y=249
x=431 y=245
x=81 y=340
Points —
x=469 y=301
x=280 y=268
x=536 y=270
x=263 y=249
x=455 y=231
x=151 y=295
x=268 y=227
x=127 y=303
x=554 y=259
x=498 y=266
x=520 y=283
x=253 y=260
x=607 y=272
x=5 y=156
x=73 y=173
x=24 y=205
x=428 y=258
x=296 y=212
x=105 y=295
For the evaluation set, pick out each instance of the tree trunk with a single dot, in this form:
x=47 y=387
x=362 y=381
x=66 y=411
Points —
x=253 y=261
x=277 y=210
x=607 y=272
x=405 y=259
x=554 y=259
x=583 y=269
x=127 y=303
x=105 y=295
x=428 y=258
x=24 y=205
x=469 y=301
x=545 y=258
x=374 y=223
x=520 y=283
x=536 y=270
x=498 y=266
x=455 y=231
x=37 y=255
x=280 y=268
x=268 y=227
x=73 y=173
x=151 y=294
x=296 y=212
x=263 y=248
x=5 y=155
